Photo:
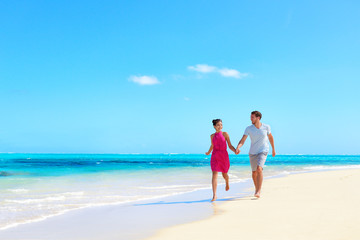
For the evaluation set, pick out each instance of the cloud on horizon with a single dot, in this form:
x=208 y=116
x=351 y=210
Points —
x=144 y=80
x=225 y=72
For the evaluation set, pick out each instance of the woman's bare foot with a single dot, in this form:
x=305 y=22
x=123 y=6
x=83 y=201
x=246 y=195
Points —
x=214 y=198
x=257 y=194
x=227 y=187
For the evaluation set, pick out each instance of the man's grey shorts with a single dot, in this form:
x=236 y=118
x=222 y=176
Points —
x=257 y=160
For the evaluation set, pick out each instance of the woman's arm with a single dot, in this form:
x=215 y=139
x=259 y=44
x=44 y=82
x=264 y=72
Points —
x=211 y=147
x=227 y=137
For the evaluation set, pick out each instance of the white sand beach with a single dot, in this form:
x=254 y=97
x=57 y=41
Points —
x=318 y=205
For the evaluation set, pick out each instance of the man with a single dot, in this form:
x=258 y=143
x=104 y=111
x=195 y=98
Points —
x=260 y=135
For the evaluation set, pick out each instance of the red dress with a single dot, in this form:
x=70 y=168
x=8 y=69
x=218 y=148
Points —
x=219 y=157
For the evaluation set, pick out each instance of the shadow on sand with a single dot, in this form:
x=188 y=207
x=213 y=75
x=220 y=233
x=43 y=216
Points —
x=198 y=201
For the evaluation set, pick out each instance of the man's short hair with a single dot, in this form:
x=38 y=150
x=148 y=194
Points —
x=257 y=114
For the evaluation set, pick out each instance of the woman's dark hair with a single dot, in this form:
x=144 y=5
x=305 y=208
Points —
x=215 y=121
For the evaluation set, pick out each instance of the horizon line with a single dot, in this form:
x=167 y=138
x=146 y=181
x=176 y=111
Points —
x=243 y=154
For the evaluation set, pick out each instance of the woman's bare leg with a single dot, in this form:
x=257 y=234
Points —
x=226 y=177
x=214 y=184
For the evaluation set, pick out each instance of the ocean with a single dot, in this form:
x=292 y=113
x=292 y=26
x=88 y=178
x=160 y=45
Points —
x=37 y=186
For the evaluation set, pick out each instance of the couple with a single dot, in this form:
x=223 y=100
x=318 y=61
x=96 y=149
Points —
x=260 y=135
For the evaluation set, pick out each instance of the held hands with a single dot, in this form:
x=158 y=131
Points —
x=237 y=151
x=207 y=153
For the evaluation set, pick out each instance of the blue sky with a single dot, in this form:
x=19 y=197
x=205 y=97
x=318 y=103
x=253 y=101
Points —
x=149 y=76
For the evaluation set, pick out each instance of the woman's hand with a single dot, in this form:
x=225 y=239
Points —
x=207 y=153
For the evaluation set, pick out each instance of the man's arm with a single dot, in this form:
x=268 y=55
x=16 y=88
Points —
x=240 y=144
x=271 y=139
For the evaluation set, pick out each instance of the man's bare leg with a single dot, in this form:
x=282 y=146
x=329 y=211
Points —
x=255 y=177
x=214 y=184
x=226 y=177
x=259 y=172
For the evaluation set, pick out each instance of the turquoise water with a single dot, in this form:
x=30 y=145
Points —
x=37 y=186
x=31 y=165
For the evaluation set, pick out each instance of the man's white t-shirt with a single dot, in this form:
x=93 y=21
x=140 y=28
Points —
x=259 y=138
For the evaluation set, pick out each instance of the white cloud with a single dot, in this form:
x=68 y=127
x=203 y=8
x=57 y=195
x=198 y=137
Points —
x=204 y=68
x=225 y=72
x=144 y=80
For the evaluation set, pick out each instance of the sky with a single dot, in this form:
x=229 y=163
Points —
x=150 y=76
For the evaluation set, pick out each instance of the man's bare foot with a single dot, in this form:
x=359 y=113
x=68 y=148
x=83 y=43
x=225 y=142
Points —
x=214 y=198
x=257 y=194
x=227 y=187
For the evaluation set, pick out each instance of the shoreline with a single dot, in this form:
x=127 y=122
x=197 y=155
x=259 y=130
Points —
x=160 y=198
x=185 y=208
x=312 y=205
x=196 y=193
x=130 y=221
